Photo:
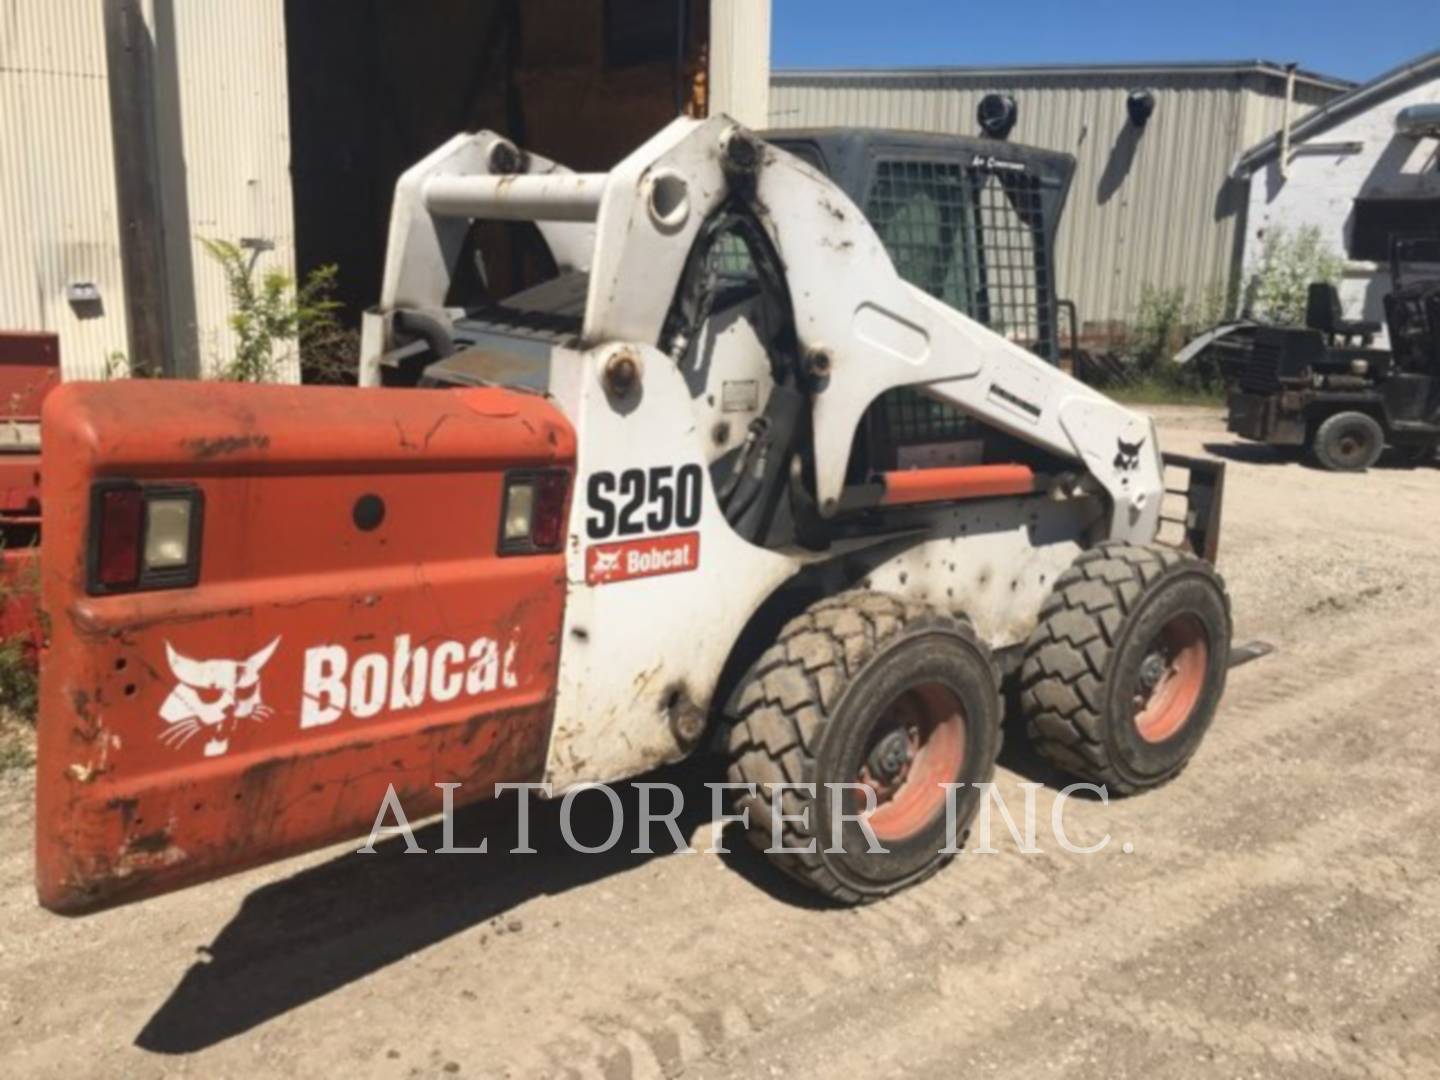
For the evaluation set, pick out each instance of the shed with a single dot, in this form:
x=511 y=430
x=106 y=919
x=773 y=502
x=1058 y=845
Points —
x=1364 y=170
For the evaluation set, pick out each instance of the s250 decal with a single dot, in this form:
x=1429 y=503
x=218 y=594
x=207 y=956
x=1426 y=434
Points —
x=638 y=501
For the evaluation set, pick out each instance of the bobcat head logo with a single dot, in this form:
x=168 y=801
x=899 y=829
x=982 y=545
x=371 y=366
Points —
x=212 y=697
x=606 y=563
x=1127 y=457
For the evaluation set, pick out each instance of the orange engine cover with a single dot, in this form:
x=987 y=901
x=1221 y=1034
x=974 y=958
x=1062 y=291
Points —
x=353 y=625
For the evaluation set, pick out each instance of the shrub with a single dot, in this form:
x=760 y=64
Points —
x=19 y=678
x=1159 y=327
x=1289 y=262
x=271 y=314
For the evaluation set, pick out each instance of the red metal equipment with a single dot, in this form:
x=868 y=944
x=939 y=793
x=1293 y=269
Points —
x=265 y=707
x=29 y=370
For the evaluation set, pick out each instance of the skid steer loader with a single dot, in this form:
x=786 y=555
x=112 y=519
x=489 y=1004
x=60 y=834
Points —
x=722 y=478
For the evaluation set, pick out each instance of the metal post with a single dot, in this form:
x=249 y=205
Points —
x=129 y=62
x=1285 y=129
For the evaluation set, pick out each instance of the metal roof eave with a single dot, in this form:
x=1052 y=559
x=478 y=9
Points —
x=1181 y=67
x=1340 y=109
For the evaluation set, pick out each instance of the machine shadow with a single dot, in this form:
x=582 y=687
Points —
x=299 y=939
x=1017 y=752
x=1254 y=453
x=1261 y=454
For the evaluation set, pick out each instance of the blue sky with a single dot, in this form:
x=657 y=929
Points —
x=1350 y=40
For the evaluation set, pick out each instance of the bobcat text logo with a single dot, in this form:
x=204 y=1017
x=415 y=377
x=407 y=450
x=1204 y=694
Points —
x=212 y=696
x=403 y=679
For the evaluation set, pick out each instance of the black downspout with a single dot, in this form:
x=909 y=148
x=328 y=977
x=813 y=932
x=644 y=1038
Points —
x=681 y=9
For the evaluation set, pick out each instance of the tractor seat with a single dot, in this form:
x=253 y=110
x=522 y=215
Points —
x=1323 y=313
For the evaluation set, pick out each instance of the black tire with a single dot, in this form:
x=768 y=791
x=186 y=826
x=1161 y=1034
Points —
x=1116 y=610
x=1348 y=442
x=812 y=711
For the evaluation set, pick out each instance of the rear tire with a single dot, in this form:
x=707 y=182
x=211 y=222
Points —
x=1125 y=670
x=864 y=688
x=1348 y=442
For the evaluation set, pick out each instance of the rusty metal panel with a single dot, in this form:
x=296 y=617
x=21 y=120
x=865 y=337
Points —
x=57 y=196
x=1147 y=208
x=352 y=627
x=29 y=369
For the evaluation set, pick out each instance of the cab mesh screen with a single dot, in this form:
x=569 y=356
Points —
x=969 y=236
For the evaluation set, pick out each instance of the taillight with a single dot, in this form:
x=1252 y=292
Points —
x=121 y=520
x=533 y=514
x=143 y=537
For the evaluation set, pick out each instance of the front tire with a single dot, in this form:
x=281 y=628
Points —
x=1125 y=670
x=865 y=689
x=1348 y=442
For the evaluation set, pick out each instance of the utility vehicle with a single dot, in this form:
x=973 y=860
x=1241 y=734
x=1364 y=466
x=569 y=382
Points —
x=719 y=476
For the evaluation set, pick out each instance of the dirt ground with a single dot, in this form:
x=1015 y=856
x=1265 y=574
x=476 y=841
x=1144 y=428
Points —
x=1278 y=914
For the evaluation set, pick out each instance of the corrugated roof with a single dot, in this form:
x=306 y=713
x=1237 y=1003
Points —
x=1395 y=81
x=1159 y=67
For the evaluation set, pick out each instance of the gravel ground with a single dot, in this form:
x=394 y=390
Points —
x=1277 y=915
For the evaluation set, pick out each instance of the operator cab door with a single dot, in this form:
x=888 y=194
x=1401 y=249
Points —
x=270 y=605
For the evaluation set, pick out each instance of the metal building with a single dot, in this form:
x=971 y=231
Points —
x=223 y=103
x=286 y=122
x=1152 y=204
x=1363 y=172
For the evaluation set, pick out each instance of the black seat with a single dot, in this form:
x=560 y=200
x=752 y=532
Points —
x=1323 y=313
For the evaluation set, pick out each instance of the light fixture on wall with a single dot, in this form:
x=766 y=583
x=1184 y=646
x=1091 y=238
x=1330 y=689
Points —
x=996 y=114
x=1139 y=104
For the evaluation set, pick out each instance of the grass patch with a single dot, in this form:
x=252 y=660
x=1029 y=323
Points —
x=19 y=703
x=17 y=742
x=1154 y=390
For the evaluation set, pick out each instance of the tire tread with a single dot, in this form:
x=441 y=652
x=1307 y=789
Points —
x=792 y=692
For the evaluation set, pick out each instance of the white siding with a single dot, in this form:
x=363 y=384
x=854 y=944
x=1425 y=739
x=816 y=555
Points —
x=1146 y=210
x=740 y=60
x=233 y=162
x=58 y=222
x=223 y=129
x=1322 y=187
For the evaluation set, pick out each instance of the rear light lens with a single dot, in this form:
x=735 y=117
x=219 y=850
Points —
x=143 y=537
x=533 y=518
x=547 y=528
x=167 y=533
x=121 y=523
x=519 y=513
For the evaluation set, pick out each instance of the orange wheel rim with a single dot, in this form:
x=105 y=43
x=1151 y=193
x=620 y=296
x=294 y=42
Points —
x=1171 y=679
x=916 y=748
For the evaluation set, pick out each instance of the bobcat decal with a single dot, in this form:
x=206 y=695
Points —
x=211 y=697
x=1127 y=457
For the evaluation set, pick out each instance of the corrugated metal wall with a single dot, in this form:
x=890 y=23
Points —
x=232 y=165
x=222 y=125
x=1149 y=208
x=740 y=59
x=57 y=195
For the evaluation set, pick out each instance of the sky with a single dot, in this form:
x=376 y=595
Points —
x=1349 y=40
